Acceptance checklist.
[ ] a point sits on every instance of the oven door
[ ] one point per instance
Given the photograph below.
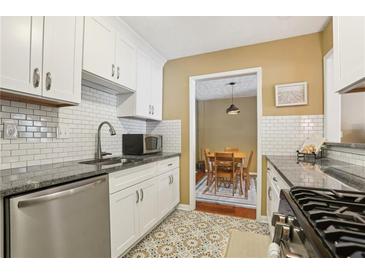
(152, 144)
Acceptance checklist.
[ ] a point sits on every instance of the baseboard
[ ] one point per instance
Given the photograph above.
(262, 219)
(185, 207)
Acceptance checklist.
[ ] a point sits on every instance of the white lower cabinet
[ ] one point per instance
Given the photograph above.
(124, 220)
(136, 209)
(275, 183)
(168, 191)
(1, 228)
(148, 206)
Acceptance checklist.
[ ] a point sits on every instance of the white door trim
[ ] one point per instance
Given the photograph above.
(332, 100)
(192, 131)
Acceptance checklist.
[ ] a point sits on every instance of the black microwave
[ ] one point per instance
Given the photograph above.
(141, 144)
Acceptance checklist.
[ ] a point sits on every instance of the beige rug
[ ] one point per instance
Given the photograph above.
(247, 245)
(193, 234)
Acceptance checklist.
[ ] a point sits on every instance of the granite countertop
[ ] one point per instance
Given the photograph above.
(20, 180)
(324, 173)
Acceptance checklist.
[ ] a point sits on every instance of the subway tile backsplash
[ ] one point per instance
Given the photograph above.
(37, 130)
(283, 135)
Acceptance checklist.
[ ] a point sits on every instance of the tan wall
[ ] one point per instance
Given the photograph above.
(283, 61)
(327, 37)
(217, 130)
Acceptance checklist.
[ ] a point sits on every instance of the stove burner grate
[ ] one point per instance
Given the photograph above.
(337, 216)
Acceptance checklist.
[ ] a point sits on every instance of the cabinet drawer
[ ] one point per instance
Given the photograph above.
(126, 178)
(168, 164)
(279, 182)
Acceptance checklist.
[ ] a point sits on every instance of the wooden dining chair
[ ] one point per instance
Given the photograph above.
(244, 173)
(231, 149)
(208, 167)
(224, 168)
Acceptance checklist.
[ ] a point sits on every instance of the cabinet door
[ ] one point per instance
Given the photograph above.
(168, 191)
(1, 228)
(349, 50)
(143, 92)
(175, 188)
(164, 193)
(62, 58)
(148, 205)
(99, 48)
(156, 90)
(124, 226)
(21, 53)
(126, 62)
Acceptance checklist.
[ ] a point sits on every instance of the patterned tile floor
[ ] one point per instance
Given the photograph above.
(193, 234)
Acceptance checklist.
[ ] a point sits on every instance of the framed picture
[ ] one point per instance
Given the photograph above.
(294, 94)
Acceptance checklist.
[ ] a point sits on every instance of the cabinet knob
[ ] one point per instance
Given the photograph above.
(36, 77)
(48, 81)
(113, 70)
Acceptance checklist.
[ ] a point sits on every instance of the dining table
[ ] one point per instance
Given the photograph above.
(239, 156)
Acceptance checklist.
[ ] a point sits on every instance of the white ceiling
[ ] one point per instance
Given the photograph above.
(176, 37)
(219, 89)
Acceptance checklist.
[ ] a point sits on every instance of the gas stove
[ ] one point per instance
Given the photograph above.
(314, 222)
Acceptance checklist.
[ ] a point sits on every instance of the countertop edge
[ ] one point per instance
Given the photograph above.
(38, 185)
(279, 171)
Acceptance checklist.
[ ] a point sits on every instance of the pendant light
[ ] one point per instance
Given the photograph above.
(232, 109)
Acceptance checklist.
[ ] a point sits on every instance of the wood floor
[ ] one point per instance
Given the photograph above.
(235, 211)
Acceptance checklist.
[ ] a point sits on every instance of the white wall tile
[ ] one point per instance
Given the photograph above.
(171, 132)
(37, 127)
(283, 135)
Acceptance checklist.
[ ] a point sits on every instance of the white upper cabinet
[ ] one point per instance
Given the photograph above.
(126, 63)
(99, 48)
(349, 52)
(42, 57)
(147, 101)
(156, 90)
(108, 56)
(21, 54)
(62, 58)
(143, 94)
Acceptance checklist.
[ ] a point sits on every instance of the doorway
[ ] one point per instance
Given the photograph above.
(194, 142)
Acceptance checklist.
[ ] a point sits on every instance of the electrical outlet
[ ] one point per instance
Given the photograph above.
(10, 131)
(63, 131)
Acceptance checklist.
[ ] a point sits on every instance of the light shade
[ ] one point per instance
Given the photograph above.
(233, 110)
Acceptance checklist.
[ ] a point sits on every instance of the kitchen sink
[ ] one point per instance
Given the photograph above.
(109, 161)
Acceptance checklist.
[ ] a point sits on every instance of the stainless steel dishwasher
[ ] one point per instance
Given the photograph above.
(66, 221)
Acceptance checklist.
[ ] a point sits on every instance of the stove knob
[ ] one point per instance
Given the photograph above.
(285, 234)
(278, 218)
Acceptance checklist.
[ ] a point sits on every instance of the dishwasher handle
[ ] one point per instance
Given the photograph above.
(57, 195)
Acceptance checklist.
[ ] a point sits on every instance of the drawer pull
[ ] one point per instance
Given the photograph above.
(274, 178)
(142, 195)
(170, 164)
(137, 196)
